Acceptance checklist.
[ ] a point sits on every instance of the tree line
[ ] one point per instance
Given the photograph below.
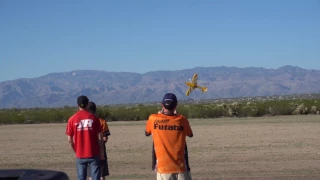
(142, 112)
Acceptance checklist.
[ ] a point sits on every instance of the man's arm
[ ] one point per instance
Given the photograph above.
(98, 129)
(105, 136)
(104, 129)
(101, 147)
(105, 139)
(70, 140)
(188, 129)
(148, 127)
(70, 133)
(160, 112)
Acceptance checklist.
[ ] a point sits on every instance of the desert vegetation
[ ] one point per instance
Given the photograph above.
(249, 108)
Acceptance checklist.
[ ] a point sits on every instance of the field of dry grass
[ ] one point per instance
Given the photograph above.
(286, 147)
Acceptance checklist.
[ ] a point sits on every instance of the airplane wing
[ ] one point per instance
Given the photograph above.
(194, 79)
(189, 91)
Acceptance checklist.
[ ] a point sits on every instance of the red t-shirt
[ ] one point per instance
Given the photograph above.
(84, 127)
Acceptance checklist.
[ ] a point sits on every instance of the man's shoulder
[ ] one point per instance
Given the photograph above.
(82, 113)
(73, 116)
(94, 117)
(160, 115)
(180, 116)
(102, 120)
(152, 116)
(155, 114)
(85, 115)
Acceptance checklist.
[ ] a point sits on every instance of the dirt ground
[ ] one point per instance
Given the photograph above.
(285, 147)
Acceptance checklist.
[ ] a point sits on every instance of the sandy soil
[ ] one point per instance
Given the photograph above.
(285, 147)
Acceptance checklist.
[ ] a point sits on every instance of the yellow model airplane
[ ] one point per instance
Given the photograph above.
(193, 84)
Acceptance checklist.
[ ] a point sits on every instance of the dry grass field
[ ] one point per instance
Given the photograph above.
(285, 147)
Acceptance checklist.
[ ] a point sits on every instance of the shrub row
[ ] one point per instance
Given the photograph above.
(142, 112)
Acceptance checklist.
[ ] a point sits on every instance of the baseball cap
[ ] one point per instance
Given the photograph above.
(169, 100)
(92, 107)
(82, 101)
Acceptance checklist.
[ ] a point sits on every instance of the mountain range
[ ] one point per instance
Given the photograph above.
(61, 89)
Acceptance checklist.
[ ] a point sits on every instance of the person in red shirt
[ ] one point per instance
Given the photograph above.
(85, 136)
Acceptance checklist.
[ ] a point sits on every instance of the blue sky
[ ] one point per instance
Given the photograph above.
(38, 37)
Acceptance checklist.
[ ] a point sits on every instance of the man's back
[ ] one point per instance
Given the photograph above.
(84, 126)
(169, 136)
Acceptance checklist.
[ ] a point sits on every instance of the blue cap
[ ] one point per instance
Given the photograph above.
(169, 99)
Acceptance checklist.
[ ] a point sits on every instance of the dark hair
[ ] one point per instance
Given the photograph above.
(82, 101)
(92, 107)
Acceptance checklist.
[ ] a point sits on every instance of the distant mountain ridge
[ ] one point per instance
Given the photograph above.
(102, 87)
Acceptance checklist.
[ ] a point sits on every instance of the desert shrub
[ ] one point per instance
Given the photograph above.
(195, 111)
(103, 113)
(183, 109)
(313, 110)
(300, 109)
(219, 111)
(142, 111)
(11, 118)
(233, 109)
(249, 111)
(274, 108)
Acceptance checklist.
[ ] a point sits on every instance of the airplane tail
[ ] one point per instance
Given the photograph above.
(204, 88)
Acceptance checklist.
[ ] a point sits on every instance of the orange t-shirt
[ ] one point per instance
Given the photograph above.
(104, 125)
(169, 137)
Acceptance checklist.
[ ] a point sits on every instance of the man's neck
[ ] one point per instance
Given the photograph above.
(168, 112)
(81, 109)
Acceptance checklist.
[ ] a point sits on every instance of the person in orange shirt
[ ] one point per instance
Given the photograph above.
(169, 131)
(186, 156)
(92, 108)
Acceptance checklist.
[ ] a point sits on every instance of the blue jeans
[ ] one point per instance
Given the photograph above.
(82, 164)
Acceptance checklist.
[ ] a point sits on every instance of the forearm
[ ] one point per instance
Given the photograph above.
(70, 140)
(72, 146)
(100, 142)
(101, 145)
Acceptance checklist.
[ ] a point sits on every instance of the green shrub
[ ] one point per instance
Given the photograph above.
(142, 111)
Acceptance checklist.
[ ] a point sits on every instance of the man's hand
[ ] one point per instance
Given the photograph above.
(105, 139)
(101, 154)
(160, 112)
(70, 140)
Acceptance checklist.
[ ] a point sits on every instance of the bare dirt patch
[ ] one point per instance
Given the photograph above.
(285, 147)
